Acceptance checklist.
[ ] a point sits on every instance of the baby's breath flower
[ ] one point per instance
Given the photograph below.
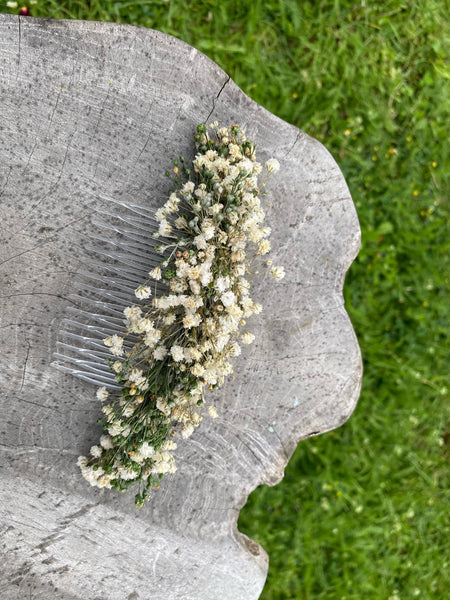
(165, 228)
(177, 353)
(187, 431)
(132, 313)
(272, 165)
(106, 442)
(160, 352)
(247, 337)
(277, 272)
(212, 411)
(169, 319)
(143, 292)
(115, 343)
(198, 370)
(190, 321)
(102, 394)
(96, 451)
(156, 273)
(228, 298)
(115, 429)
(263, 247)
(200, 241)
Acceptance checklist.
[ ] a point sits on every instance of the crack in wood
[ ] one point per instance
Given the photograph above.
(217, 97)
(54, 110)
(44, 242)
(24, 370)
(298, 136)
(40, 294)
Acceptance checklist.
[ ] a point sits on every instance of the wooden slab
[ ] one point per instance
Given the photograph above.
(96, 111)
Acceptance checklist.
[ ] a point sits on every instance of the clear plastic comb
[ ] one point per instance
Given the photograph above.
(121, 253)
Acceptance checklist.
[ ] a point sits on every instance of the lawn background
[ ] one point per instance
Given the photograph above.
(361, 513)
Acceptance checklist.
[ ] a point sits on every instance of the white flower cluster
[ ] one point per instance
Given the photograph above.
(187, 335)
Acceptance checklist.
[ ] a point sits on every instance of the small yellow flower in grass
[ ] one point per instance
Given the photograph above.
(347, 132)
(434, 164)
(415, 192)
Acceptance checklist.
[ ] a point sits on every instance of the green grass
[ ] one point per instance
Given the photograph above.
(361, 513)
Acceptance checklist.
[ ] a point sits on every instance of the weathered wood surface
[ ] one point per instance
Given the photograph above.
(97, 110)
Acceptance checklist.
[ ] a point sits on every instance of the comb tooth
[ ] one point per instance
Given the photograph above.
(90, 347)
(88, 365)
(133, 213)
(122, 258)
(132, 236)
(115, 284)
(92, 333)
(139, 210)
(83, 373)
(97, 331)
(136, 247)
(117, 298)
(142, 236)
(125, 292)
(91, 365)
(132, 274)
(107, 308)
(141, 224)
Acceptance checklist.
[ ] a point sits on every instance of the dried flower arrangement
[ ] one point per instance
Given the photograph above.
(184, 338)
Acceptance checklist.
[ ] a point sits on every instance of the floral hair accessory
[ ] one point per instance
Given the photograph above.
(184, 337)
